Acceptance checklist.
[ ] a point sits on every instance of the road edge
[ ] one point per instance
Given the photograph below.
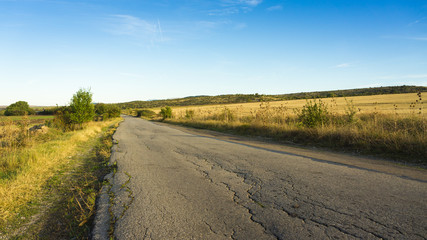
(409, 171)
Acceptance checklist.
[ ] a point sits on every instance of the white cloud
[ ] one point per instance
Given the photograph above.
(342, 65)
(275, 8)
(229, 7)
(243, 2)
(417, 21)
(224, 12)
(133, 26)
(252, 2)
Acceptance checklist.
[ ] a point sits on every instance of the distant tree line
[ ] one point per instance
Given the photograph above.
(80, 111)
(19, 108)
(245, 98)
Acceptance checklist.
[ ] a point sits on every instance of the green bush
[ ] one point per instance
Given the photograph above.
(166, 112)
(106, 111)
(19, 108)
(350, 111)
(145, 113)
(62, 119)
(313, 114)
(48, 111)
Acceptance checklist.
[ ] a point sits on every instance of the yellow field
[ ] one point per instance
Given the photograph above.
(394, 125)
(389, 103)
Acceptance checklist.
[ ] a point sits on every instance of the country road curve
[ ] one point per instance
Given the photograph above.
(175, 184)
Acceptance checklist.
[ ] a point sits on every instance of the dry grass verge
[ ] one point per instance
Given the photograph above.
(397, 145)
(57, 178)
(399, 134)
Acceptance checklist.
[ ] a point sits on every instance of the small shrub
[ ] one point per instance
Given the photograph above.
(166, 112)
(350, 111)
(106, 111)
(313, 114)
(226, 115)
(189, 114)
(62, 119)
(145, 113)
(47, 111)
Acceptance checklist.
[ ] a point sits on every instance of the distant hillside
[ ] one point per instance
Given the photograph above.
(244, 98)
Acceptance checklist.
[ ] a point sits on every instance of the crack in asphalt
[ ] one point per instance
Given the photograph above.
(255, 187)
(206, 174)
(282, 195)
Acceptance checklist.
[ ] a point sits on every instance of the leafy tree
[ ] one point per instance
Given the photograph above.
(81, 108)
(19, 108)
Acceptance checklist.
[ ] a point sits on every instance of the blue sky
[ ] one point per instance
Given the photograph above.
(128, 50)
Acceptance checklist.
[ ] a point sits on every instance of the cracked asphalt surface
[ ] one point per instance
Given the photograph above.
(171, 184)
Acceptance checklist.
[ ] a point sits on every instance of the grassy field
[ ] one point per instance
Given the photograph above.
(392, 125)
(48, 182)
(386, 104)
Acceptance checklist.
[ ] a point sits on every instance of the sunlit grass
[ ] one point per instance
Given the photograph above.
(389, 103)
(26, 168)
(394, 125)
(31, 117)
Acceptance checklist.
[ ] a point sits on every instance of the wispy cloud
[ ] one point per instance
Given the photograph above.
(133, 26)
(229, 7)
(342, 65)
(224, 11)
(416, 21)
(275, 8)
(242, 2)
(212, 25)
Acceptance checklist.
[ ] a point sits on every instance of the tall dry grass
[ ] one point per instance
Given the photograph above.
(26, 168)
(400, 133)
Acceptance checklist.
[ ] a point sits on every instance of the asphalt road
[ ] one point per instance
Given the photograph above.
(174, 184)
